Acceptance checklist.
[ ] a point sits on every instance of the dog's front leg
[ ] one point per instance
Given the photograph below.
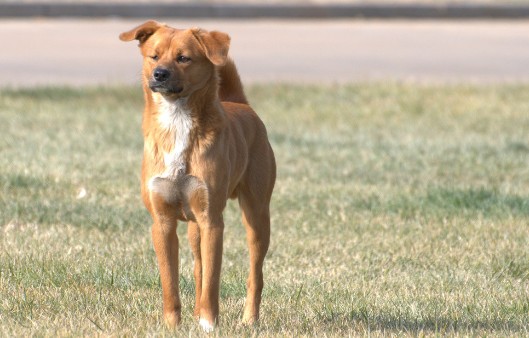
(193, 234)
(211, 237)
(165, 242)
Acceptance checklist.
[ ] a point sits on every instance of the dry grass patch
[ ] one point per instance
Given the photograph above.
(399, 210)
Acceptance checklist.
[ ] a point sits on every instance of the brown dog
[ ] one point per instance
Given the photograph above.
(203, 144)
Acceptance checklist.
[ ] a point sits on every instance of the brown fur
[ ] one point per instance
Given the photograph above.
(227, 156)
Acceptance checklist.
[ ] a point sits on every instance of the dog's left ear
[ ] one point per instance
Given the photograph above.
(142, 32)
(215, 45)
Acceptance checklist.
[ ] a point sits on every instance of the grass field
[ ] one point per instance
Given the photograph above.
(398, 210)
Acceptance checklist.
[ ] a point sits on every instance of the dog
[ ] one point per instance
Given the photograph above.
(203, 144)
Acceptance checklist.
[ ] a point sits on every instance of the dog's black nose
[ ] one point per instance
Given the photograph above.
(161, 74)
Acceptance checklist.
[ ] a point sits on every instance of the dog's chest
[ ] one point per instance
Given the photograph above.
(175, 118)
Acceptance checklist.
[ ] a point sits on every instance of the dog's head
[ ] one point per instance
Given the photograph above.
(177, 62)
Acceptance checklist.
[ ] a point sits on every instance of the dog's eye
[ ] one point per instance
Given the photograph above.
(154, 57)
(182, 59)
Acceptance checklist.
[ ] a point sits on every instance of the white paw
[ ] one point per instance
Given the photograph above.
(206, 325)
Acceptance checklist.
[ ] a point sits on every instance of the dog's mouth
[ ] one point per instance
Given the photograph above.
(165, 89)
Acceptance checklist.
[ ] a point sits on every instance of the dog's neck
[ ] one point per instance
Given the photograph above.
(172, 115)
(174, 118)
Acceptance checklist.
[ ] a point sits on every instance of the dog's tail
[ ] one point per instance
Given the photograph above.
(231, 89)
(186, 191)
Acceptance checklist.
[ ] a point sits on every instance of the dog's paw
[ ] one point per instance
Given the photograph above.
(172, 320)
(206, 326)
(250, 319)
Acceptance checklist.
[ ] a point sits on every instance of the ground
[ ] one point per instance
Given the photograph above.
(399, 209)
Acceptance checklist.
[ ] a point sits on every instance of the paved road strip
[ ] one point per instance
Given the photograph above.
(274, 10)
(79, 52)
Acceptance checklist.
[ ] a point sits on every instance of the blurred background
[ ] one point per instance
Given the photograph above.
(73, 43)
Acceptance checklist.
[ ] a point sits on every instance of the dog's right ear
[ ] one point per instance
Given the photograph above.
(142, 32)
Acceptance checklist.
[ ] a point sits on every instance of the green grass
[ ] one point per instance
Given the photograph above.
(398, 210)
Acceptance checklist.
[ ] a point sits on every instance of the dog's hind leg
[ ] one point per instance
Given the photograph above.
(256, 219)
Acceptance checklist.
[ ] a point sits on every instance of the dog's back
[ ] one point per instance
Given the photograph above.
(230, 89)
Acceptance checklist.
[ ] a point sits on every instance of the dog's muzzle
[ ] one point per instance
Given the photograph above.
(160, 82)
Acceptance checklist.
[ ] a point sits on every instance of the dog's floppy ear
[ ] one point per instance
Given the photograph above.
(142, 32)
(215, 45)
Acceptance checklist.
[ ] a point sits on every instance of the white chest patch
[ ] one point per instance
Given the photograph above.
(175, 117)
